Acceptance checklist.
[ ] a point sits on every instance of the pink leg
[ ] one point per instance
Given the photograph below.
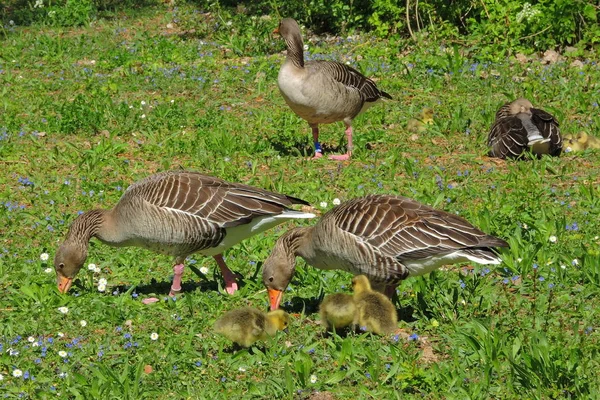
(318, 150)
(230, 280)
(348, 154)
(176, 286)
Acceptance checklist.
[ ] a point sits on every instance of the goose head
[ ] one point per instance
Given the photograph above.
(519, 106)
(360, 284)
(68, 261)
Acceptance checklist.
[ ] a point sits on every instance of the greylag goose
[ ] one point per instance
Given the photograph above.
(337, 311)
(374, 311)
(519, 127)
(387, 238)
(177, 213)
(247, 325)
(322, 92)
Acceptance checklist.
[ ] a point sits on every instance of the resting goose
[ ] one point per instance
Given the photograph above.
(519, 127)
(177, 213)
(581, 142)
(322, 92)
(387, 238)
(247, 325)
(374, 311)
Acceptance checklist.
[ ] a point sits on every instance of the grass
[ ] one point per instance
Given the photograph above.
(85, 112)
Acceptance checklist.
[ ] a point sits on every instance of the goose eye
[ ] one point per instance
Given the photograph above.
(61, 266)
(271, 279)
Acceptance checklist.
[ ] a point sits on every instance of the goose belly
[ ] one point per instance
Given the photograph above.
(236, 234)
(426, 265)
(314, 101)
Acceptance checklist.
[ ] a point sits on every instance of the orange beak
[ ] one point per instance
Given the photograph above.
(275, 298)
(276, 30)
(64, 283)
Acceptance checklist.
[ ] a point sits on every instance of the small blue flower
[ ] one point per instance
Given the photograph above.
(127, 335)
(368, 375)
(198, 363)
(414, 336)
(541, 279)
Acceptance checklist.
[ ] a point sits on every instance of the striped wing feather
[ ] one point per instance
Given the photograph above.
(402, 228)
(217, 201)
(351, 78)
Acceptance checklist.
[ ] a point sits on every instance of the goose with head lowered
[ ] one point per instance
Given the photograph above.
(177, 213)
(322, 92)
(386, 238)
(520, 127)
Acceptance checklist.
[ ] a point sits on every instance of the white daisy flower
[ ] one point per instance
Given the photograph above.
(2, 376)
(92, 267)
(62, 353)
(552, 239)
(336, 202)
(101, 288)
(143, 102)
(323, 204)
(17, 373)
(83, 322)
(97, 270)
(48, 270)
(242, 369)
(575, 262)
(562, 266)
(63, 310)
(204, 270)
(44, 257)
(102, 281)
(154, 336)
(13, 352)
(143, 116)
(313, 379)
(31, 339)
(60, 334)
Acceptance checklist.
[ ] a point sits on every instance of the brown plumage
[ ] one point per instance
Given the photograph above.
(176, 213)
(519, 127)
(337, 311)
(374, 311)
(387, 238)
(322, 92)
(247, 325)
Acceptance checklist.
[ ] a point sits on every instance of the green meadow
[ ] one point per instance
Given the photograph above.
(86, 111)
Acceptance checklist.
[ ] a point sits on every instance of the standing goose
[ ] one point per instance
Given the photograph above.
(519, 127)
(322, 92)
(387, 238)
(177, 213)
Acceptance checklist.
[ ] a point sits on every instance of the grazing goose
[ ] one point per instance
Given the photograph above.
(337, 311)
(374, 311)
(322, 92)
(247, 325)
(177, 213)
(519, 127)
(387, 238)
